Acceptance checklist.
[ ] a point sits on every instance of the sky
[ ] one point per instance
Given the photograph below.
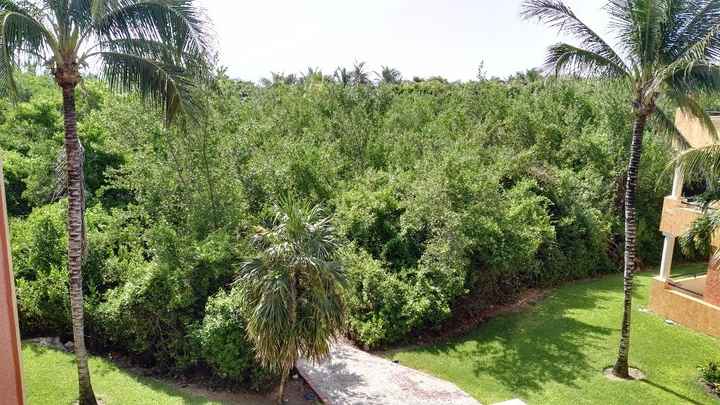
(424, 38)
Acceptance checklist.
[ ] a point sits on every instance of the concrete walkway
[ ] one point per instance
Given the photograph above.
(353, 377)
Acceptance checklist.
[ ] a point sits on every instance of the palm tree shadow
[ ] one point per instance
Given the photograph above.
(671, 392)
(525, 351)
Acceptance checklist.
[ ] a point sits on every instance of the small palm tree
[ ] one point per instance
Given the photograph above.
(389, 75)
(359, 74)
(293, 289)
(343, 76)
(151, 46)
(666, 50)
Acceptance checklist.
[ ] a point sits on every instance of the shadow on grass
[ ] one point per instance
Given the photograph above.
(525, 351)
(671, 392)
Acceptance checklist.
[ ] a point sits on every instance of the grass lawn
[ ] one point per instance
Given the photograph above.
(555, 352)
(50, 378)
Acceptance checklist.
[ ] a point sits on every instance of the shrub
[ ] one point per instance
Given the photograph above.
(223, 343)
(154, 312)
(710, 374)
(39, 249)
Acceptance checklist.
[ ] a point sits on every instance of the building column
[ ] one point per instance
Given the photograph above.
(669, 243)
(11, 387)
(678, 183)
(667, 257)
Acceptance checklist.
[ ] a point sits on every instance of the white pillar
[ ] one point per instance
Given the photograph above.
(677, 184)
(667, 257)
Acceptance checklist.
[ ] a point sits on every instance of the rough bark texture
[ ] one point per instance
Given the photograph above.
(75, 242)
(621, 368)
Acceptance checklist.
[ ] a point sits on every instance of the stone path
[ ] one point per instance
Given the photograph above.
(353, 377)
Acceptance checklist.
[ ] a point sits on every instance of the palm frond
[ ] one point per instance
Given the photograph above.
(566, 58)
(697, 241)
(175, 22)
(699, 78)
(698, 18)
(162, 85)
(664, 125)
(687, 103)
(21, 35)
(696, 55)
(699, 161)
(556, 14)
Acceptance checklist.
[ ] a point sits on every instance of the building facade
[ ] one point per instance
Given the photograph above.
(692, 300)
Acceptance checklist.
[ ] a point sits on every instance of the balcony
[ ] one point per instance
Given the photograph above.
(678, 215)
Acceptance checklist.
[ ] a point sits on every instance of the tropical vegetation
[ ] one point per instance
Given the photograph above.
(445, 197)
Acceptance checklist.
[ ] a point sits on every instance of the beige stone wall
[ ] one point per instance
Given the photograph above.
(684, 309)
(695, 133)
(677, 217)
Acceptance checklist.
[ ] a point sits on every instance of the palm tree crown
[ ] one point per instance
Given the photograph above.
(151, 46)
(667, 48)
(293, 288)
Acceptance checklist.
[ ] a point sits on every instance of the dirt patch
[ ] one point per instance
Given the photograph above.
(712, 389)
(297, 392)
(635, 375)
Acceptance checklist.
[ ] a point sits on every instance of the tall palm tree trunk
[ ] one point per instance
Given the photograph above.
(621, 368)
(75, 242)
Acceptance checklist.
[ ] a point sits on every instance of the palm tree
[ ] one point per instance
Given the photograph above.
(343, 76)
(359, 74)
(293, 289)
(666, 51)
(389, 75)
(151, 46)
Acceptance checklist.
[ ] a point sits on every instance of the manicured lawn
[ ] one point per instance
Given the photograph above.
(555, 352)
(50, 379)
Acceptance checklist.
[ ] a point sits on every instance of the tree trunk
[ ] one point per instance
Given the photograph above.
(284, 377)
(621, 368)
(75, 242)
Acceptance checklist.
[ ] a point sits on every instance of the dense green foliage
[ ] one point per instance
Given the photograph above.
(441, 190)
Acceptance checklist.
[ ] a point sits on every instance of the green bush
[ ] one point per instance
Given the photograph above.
(153, 313)
(223, 343)
(710, 374)
(39, 250)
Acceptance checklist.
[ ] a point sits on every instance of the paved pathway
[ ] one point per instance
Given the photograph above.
(353, 377)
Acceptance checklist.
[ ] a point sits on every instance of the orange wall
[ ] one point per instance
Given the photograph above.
(11, 391)
(683, 309)
(712, 287)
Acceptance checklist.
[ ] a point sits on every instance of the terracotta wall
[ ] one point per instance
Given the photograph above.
(677, 217)
(683, 309)
(712, 286)
(11, 392)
